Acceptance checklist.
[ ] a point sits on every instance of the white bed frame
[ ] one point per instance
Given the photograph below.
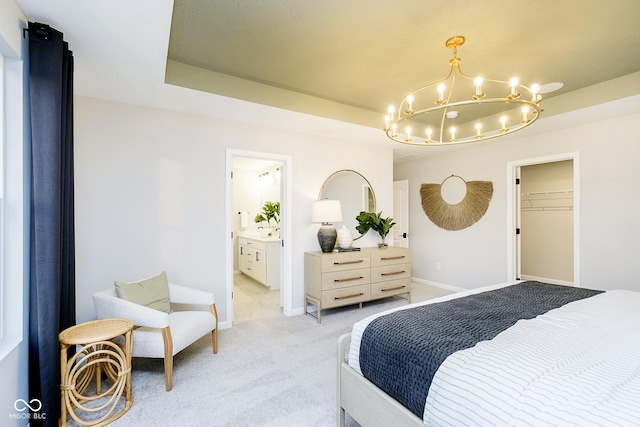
(364, 401)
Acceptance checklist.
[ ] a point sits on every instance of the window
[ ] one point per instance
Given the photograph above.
(13, 214)
(2, 138)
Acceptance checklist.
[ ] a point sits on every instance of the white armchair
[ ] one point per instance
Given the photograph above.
(162, 335)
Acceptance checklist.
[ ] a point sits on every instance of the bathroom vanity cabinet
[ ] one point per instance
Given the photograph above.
(259, 258)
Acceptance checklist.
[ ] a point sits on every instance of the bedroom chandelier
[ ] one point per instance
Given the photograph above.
(480, 109)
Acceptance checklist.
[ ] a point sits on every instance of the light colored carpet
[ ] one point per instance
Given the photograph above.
(277, 371)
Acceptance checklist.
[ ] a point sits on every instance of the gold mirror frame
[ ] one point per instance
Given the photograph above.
(355, 194)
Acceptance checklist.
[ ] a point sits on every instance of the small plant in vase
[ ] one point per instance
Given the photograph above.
(270, 211)
(375, 222)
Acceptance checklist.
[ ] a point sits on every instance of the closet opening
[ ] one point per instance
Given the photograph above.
(543, 227)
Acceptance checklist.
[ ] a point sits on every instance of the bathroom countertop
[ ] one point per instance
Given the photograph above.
(259, 238)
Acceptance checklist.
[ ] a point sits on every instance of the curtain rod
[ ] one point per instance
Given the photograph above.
(42, 30)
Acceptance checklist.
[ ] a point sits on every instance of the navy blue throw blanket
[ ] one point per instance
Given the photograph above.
(401, 351)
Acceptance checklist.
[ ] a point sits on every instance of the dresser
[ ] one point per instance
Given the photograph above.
(337, 279)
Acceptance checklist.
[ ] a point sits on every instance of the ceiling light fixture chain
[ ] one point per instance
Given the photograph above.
(487, 109)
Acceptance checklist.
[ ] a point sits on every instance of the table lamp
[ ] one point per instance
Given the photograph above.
(327, 211)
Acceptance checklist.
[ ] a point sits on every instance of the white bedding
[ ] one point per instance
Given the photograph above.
(575, 365)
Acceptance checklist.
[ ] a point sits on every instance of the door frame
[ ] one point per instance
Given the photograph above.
(286, 287)
(513, 212)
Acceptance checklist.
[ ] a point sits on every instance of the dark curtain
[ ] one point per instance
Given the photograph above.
(52, 264)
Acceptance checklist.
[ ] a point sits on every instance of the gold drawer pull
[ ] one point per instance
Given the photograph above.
(392, 273)
(391, 257)
(393, 289)
(348, 279)
(348, 262)
(349, 296)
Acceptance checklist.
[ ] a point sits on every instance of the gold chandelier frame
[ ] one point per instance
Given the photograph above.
(504, 115)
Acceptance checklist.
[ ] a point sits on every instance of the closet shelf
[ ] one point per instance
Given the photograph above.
(547, 200)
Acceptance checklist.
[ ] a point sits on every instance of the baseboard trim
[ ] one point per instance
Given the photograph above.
(546, 280)
(223, 325)
(438, 285)
(297, 311)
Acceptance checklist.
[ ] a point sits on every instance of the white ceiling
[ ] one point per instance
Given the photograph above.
(341, 60)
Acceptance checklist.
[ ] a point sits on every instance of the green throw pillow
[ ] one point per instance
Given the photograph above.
(152, 292)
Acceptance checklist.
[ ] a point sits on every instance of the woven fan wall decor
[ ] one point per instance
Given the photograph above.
(461, 215)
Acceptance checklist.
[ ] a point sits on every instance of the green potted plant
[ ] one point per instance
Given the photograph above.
(270, 211)
(375, 222)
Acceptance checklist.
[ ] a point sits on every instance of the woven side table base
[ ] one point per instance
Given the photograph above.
(97, 357)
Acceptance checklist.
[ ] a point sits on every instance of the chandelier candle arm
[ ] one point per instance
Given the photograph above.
(484, 109)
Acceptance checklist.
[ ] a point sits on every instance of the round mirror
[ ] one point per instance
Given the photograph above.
(355, 195)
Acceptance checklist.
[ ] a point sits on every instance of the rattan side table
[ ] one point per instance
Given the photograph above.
(96, 354)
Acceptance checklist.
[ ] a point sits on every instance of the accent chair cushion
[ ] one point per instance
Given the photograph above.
(152, 292)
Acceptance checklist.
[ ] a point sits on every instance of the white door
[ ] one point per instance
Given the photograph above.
(401, 213)
(518, 236)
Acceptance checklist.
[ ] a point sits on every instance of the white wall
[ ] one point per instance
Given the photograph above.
(150, 194)
(609, 236)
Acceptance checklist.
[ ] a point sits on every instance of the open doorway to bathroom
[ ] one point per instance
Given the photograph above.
(256, 264)
(257, 282)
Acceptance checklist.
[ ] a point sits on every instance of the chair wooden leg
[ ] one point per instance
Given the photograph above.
(214, 333)
(168, 357)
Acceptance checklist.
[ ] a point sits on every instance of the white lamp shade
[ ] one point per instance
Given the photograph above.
(326, 211)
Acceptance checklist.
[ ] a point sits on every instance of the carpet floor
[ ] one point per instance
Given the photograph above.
(272, 372)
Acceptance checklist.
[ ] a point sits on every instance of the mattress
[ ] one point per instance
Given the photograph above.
(492, 382)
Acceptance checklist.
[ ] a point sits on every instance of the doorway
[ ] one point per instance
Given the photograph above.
(257, 280)
(543, 221)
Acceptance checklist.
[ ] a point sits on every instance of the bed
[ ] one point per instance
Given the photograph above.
(520, 353)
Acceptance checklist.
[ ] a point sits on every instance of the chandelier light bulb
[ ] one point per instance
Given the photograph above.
(503, 120)
(477, 82)
(453, 134)
(440, 89)
(408, 134)
(391, 110)
(478, 130)
(429, 135)
(514, 82)
(535, 88)
(394, 129)
(525, 114)
(410, 99)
